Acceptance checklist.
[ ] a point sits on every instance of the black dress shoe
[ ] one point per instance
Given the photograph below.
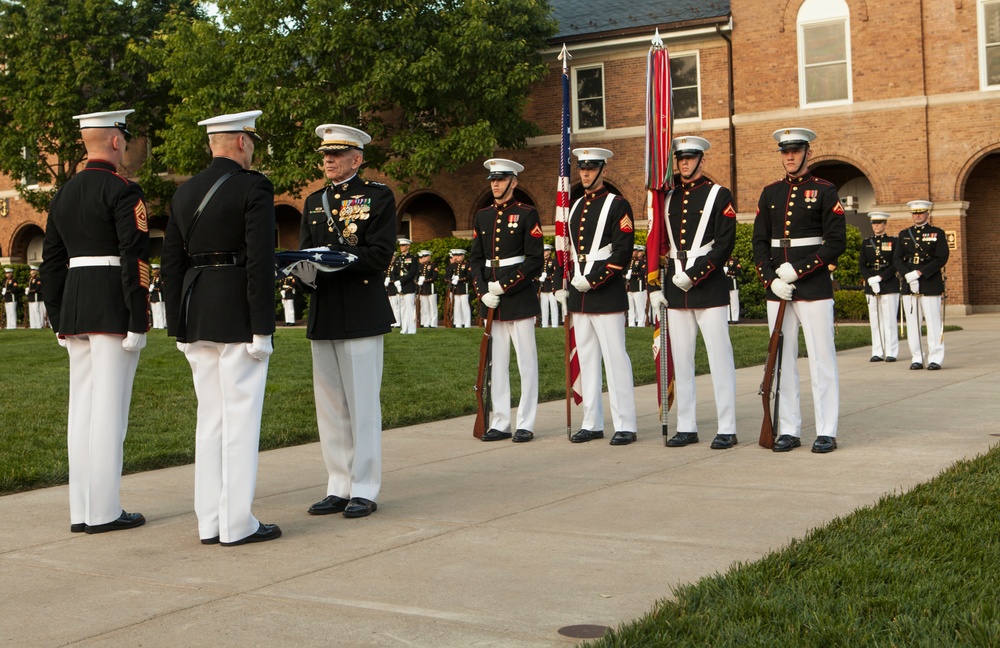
(876, 359)
(623, 438)
(212, 540)
(587, 435)
(124, 521)
(682, 439)
(79, 527)
(916, 365)
(723, 441)
(495, 435)
(825, 444)
(263, 533)
(786, 442)
(327, 505)
(933, 366)
(890, 358)
(360, 507)
(523, 436)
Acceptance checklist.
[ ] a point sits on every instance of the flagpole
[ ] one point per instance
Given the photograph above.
(562, 234)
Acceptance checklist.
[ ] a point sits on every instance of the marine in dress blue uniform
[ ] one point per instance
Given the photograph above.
(36, 303)
(9, 291)
(219, 278)
(635, 284)
(349, 314)
(505, 261)
(601, 235)
(96, 273)
(458, 277)
(549, 282)
(701, 229)
(405, 270)
(427, 274)
(920, 257)
(156, 303)
(881, 288)
(733, 270)
(798, 234)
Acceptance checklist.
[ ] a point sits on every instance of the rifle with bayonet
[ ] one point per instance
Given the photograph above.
(484, 380)
(772, 378)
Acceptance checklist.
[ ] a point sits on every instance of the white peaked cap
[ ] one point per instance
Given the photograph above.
(337, 137)
(243, 122)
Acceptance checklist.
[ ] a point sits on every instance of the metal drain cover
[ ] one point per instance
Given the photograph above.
(586, 631)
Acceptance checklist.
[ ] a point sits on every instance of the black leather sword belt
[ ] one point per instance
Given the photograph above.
(213, 259)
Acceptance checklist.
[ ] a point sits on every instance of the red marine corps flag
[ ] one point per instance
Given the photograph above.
(659, 137)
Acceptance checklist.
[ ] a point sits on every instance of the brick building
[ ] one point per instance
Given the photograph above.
(905, 98)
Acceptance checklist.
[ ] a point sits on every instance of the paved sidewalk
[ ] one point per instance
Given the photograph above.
(490, 544)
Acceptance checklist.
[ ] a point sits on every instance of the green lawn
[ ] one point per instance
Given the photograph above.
(427, 377)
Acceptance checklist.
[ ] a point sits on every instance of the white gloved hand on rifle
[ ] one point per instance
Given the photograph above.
(580, 283)
(914, 287)
(787, 273)
(874, 283)
(782, 289)
(387, 282)
(490, 300)
(562, 296)
(495, 288)
(421, 280)
(657, 299)
(398, 285)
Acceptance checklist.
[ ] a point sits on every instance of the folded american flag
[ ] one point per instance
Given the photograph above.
(304, 264)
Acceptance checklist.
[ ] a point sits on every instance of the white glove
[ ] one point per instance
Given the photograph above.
(151, 289)
(4, 291)
(398, 285)
(787, 273)
(915, 287)
(454, 280)
(494, 287)
(580, 283)
(628, 275)
(657, 299)
(182, 347)
(874, 281)
(61, 340)
(134, 341)
(387, 282)
(782, 289)
(306, 272)
(421, 280)
(876, 288)
(261, 347)
(911, 276)
(543, 276)
(682, 281)
(490, 300)
(562, 296)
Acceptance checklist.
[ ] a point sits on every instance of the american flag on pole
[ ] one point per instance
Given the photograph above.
(562, 228)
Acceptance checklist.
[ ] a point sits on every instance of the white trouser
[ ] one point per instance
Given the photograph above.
(684, 325)
(461, 313)
(101, 373)
(408, 313)
(429, 311)
(816, 318)
(394, 304)
(347, 379)
(886, 343)
(35, 315)
(159, 311)
(930, 312)
(550, 310)
(602, 336)
(229, 385)
(11, 308)
(289, 306)
(637, 308)
(734, 305)
(522, 333)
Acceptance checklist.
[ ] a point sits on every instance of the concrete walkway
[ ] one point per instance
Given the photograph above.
(489, 544)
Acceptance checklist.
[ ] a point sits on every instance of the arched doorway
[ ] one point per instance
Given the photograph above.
(287, 223)
(982, 225)
(854, 188)
(425, 216)
(27, 245)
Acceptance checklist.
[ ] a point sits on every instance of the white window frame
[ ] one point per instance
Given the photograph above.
(697, 57)
(815, 13)
(984, 81)
(576, 101)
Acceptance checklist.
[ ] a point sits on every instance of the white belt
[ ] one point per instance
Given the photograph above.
(684, 255)
(503, 263)
(796, 242)
(88, 261)
(601, 254)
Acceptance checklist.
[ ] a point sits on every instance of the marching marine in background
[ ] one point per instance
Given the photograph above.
(601, 236)
(920, 256)
(701, 228)
(549, 281)
(156, 303)
(404, 277)
(218, 266)
(288, 290)
(799, 232)
(505, 260)
(733, 270)
(9, 292)
(390, 289)
(458, 285)
(426, 291)
(36, 305)
(881, 288)
(96, 276)
(349, 315)
(635, 285)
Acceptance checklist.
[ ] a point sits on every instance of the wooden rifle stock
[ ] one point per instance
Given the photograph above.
(449, 307)
(483, 380)
(772, 370)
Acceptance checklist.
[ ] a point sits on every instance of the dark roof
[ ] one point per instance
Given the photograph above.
(588, 18)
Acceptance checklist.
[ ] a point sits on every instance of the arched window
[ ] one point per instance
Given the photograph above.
(989, 44)
(824, 53)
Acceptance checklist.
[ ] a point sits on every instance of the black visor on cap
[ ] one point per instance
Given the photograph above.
(688, 153)
(793, 145)
(590, 164)
(499, 175)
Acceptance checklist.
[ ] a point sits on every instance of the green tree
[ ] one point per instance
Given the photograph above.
(66, 57)
(436, 84)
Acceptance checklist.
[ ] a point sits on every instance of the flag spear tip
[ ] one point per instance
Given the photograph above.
(564, 55)
(657, 41)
